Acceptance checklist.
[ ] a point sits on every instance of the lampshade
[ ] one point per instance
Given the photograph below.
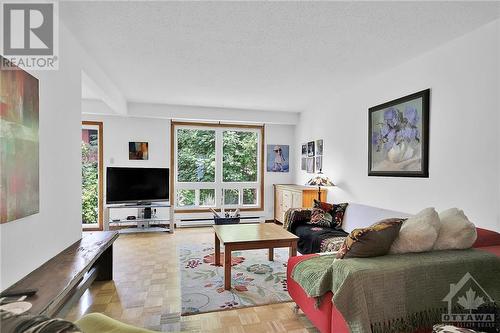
(320, 179)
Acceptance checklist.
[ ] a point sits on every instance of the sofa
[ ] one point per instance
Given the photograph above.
(314, 239)
(325, 316)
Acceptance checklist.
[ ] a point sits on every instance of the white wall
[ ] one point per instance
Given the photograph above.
(118, 131)
(464, 131)
(28, 242)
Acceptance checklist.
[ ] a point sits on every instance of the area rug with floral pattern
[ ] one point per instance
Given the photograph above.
(255, 280)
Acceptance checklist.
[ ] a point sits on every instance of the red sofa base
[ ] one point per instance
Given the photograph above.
(327, 318)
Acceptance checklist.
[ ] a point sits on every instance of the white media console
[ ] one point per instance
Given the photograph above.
(141, 224)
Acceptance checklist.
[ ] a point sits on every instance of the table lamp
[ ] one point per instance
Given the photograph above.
(319, 180)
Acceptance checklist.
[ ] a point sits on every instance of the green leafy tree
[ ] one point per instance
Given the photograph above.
(196, 155)
(239, 156)
(89, 183)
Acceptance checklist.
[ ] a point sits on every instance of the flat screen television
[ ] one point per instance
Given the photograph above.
(136, 185)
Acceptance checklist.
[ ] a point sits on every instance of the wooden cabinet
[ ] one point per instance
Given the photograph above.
(293, 196)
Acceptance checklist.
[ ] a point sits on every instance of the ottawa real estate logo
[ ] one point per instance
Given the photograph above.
(470, 306)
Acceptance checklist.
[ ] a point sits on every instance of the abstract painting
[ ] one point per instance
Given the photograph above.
(138, 151)
(278, 157)
(19, 159)
(398, 137)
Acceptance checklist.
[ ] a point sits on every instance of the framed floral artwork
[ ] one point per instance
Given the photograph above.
(398, 137)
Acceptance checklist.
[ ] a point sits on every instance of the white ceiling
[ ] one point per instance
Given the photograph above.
(259, 55)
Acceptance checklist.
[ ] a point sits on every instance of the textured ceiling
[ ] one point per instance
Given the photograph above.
(259, 55)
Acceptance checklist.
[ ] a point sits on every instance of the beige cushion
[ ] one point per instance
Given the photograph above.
(418, 233)
(456, 232)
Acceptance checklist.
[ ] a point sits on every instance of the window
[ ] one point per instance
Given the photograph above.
(91, 148)
(217, 166)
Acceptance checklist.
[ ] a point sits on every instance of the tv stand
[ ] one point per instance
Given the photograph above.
(142, 224)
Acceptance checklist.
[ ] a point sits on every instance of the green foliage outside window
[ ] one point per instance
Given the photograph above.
(90, 183)
(207, 197)
(249, 196)
(195, 155)
(185, 197)
(239, 156)
(231, 197)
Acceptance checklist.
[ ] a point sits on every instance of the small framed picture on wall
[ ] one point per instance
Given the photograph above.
(304, 149)
(319, 147)
(303, 163)
(310, 149)
(138, 151)
(310, 165)
(319, 163)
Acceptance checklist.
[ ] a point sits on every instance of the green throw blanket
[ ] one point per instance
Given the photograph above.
(397, 293)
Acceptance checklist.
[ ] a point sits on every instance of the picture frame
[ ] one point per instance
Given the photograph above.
(19, 144)
(318, 162)
(138, 151)
(398, 137)
(303, 163)
(304, 149)
(310, 165)
(310, 149)
(278, 158)
(319, 147)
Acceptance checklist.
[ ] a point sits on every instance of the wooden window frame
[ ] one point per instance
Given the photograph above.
(174, 124)
(99, 124)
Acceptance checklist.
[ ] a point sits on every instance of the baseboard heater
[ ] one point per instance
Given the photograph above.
(208, 221)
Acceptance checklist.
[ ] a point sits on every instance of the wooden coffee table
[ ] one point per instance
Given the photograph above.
(237, 237)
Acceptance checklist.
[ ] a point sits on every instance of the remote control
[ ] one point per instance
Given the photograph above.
(19, 292)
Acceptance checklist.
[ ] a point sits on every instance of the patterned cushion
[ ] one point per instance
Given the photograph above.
(296, 216)
(321, 218)
(373, 241)
(332, 244)
(336, 211)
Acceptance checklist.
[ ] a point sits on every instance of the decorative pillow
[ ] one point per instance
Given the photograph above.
(418, 233)
(332, 244)
(336, 211)
(296, 216)
(456, 232)
(321, 218)
(376, 240)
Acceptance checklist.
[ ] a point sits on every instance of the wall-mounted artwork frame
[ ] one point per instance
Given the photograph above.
(19, 144)
(303, 163)
(304, 149)
(310, 149)
(319, 147)
(278, 158)
(138, 151)
(398, 137)
(310, 165)
(318, 162)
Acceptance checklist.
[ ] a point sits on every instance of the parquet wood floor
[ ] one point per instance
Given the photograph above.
(146, 292)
